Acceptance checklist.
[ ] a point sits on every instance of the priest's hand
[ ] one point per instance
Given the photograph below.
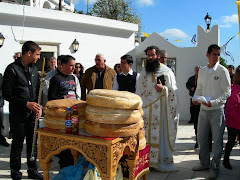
(159, 86)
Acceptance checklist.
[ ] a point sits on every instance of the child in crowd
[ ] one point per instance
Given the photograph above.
(232, 118)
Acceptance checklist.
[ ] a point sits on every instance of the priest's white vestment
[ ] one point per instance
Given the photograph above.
(160, 116)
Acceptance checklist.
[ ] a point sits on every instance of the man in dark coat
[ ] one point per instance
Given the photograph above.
(20, 89)
(191, 86)
(3, 141)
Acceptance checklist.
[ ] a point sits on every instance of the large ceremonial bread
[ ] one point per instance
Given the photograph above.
(56, 110)
(111, 130)
(113, 116)
(113, 113)
(114, 99)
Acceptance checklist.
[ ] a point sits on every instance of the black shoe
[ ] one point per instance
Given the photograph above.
(3, 141)
(34, 174)
(16, 175)
(235, 144)
(196, 145)
(191, 121)
(227, 165)
(9, 135)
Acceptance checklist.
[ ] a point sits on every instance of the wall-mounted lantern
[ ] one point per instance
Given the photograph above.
(75, 45)
(1, 40)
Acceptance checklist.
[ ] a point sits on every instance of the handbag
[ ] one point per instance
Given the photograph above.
(75, 172)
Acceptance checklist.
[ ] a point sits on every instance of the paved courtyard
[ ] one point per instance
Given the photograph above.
(185, 157)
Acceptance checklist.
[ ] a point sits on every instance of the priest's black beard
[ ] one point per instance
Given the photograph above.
(152, 67)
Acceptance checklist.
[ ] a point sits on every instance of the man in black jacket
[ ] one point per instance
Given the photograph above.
(20, 89)
(191, 86)
(2, 138)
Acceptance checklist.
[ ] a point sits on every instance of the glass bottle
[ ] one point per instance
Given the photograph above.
(75, 121)
(68, 121)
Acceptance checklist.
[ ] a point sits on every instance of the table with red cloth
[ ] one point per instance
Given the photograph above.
(104, 153)
(142, 167)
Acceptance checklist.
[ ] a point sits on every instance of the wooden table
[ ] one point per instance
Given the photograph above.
(103, 153)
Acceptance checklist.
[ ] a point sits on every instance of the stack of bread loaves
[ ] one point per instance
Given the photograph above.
(56, 110)
(113, 113)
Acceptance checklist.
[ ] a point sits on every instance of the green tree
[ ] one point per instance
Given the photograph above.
(223, 62)
(121, 10)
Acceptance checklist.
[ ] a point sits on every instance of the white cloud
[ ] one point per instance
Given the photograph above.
(145, 2)
(225, 26)
(230, 19)
(174, 33)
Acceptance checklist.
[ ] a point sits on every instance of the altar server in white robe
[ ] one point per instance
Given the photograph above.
(157, 88)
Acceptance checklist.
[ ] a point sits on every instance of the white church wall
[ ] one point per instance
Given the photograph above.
(59, 29)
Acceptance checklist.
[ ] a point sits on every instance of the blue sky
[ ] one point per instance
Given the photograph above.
(178, 20)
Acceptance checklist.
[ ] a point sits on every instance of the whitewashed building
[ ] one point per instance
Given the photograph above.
(67, 5)
(55, 32)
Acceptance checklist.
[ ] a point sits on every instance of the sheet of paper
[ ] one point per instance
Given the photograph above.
(201, 99)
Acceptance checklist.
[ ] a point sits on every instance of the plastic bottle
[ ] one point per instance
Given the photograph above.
(68, 121)
(75, 121)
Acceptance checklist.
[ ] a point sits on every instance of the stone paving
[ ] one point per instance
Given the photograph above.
(185, 157)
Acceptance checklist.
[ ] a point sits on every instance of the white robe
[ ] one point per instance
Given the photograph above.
(160, 116)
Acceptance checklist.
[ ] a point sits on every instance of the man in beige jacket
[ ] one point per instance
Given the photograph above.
(100, 76)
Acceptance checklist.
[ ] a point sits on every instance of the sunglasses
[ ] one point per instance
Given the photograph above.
(77, 67)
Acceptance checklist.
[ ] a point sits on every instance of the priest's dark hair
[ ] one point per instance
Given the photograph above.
(152, 47)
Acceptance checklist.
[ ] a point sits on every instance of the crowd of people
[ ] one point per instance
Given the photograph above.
(155, 84)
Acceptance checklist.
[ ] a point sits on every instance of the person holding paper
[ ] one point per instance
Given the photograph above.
(214, 82)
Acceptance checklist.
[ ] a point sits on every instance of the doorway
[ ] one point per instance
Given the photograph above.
(47, 56)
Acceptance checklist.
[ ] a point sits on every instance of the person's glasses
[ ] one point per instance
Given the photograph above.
(77, 67)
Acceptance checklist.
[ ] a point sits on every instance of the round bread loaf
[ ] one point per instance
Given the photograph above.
(142, 143)
(111, 130)
(141, 133)
(112, 115)
(141, 123)
(53, 124)
(56, 111)
(114, 99)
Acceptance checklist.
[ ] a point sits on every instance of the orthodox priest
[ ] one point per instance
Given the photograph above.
(157, 88)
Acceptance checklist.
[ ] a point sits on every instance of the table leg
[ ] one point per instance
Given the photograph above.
(144, 177)
(45, 167)
(107, 178)
(75, 155)
(131, 164)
